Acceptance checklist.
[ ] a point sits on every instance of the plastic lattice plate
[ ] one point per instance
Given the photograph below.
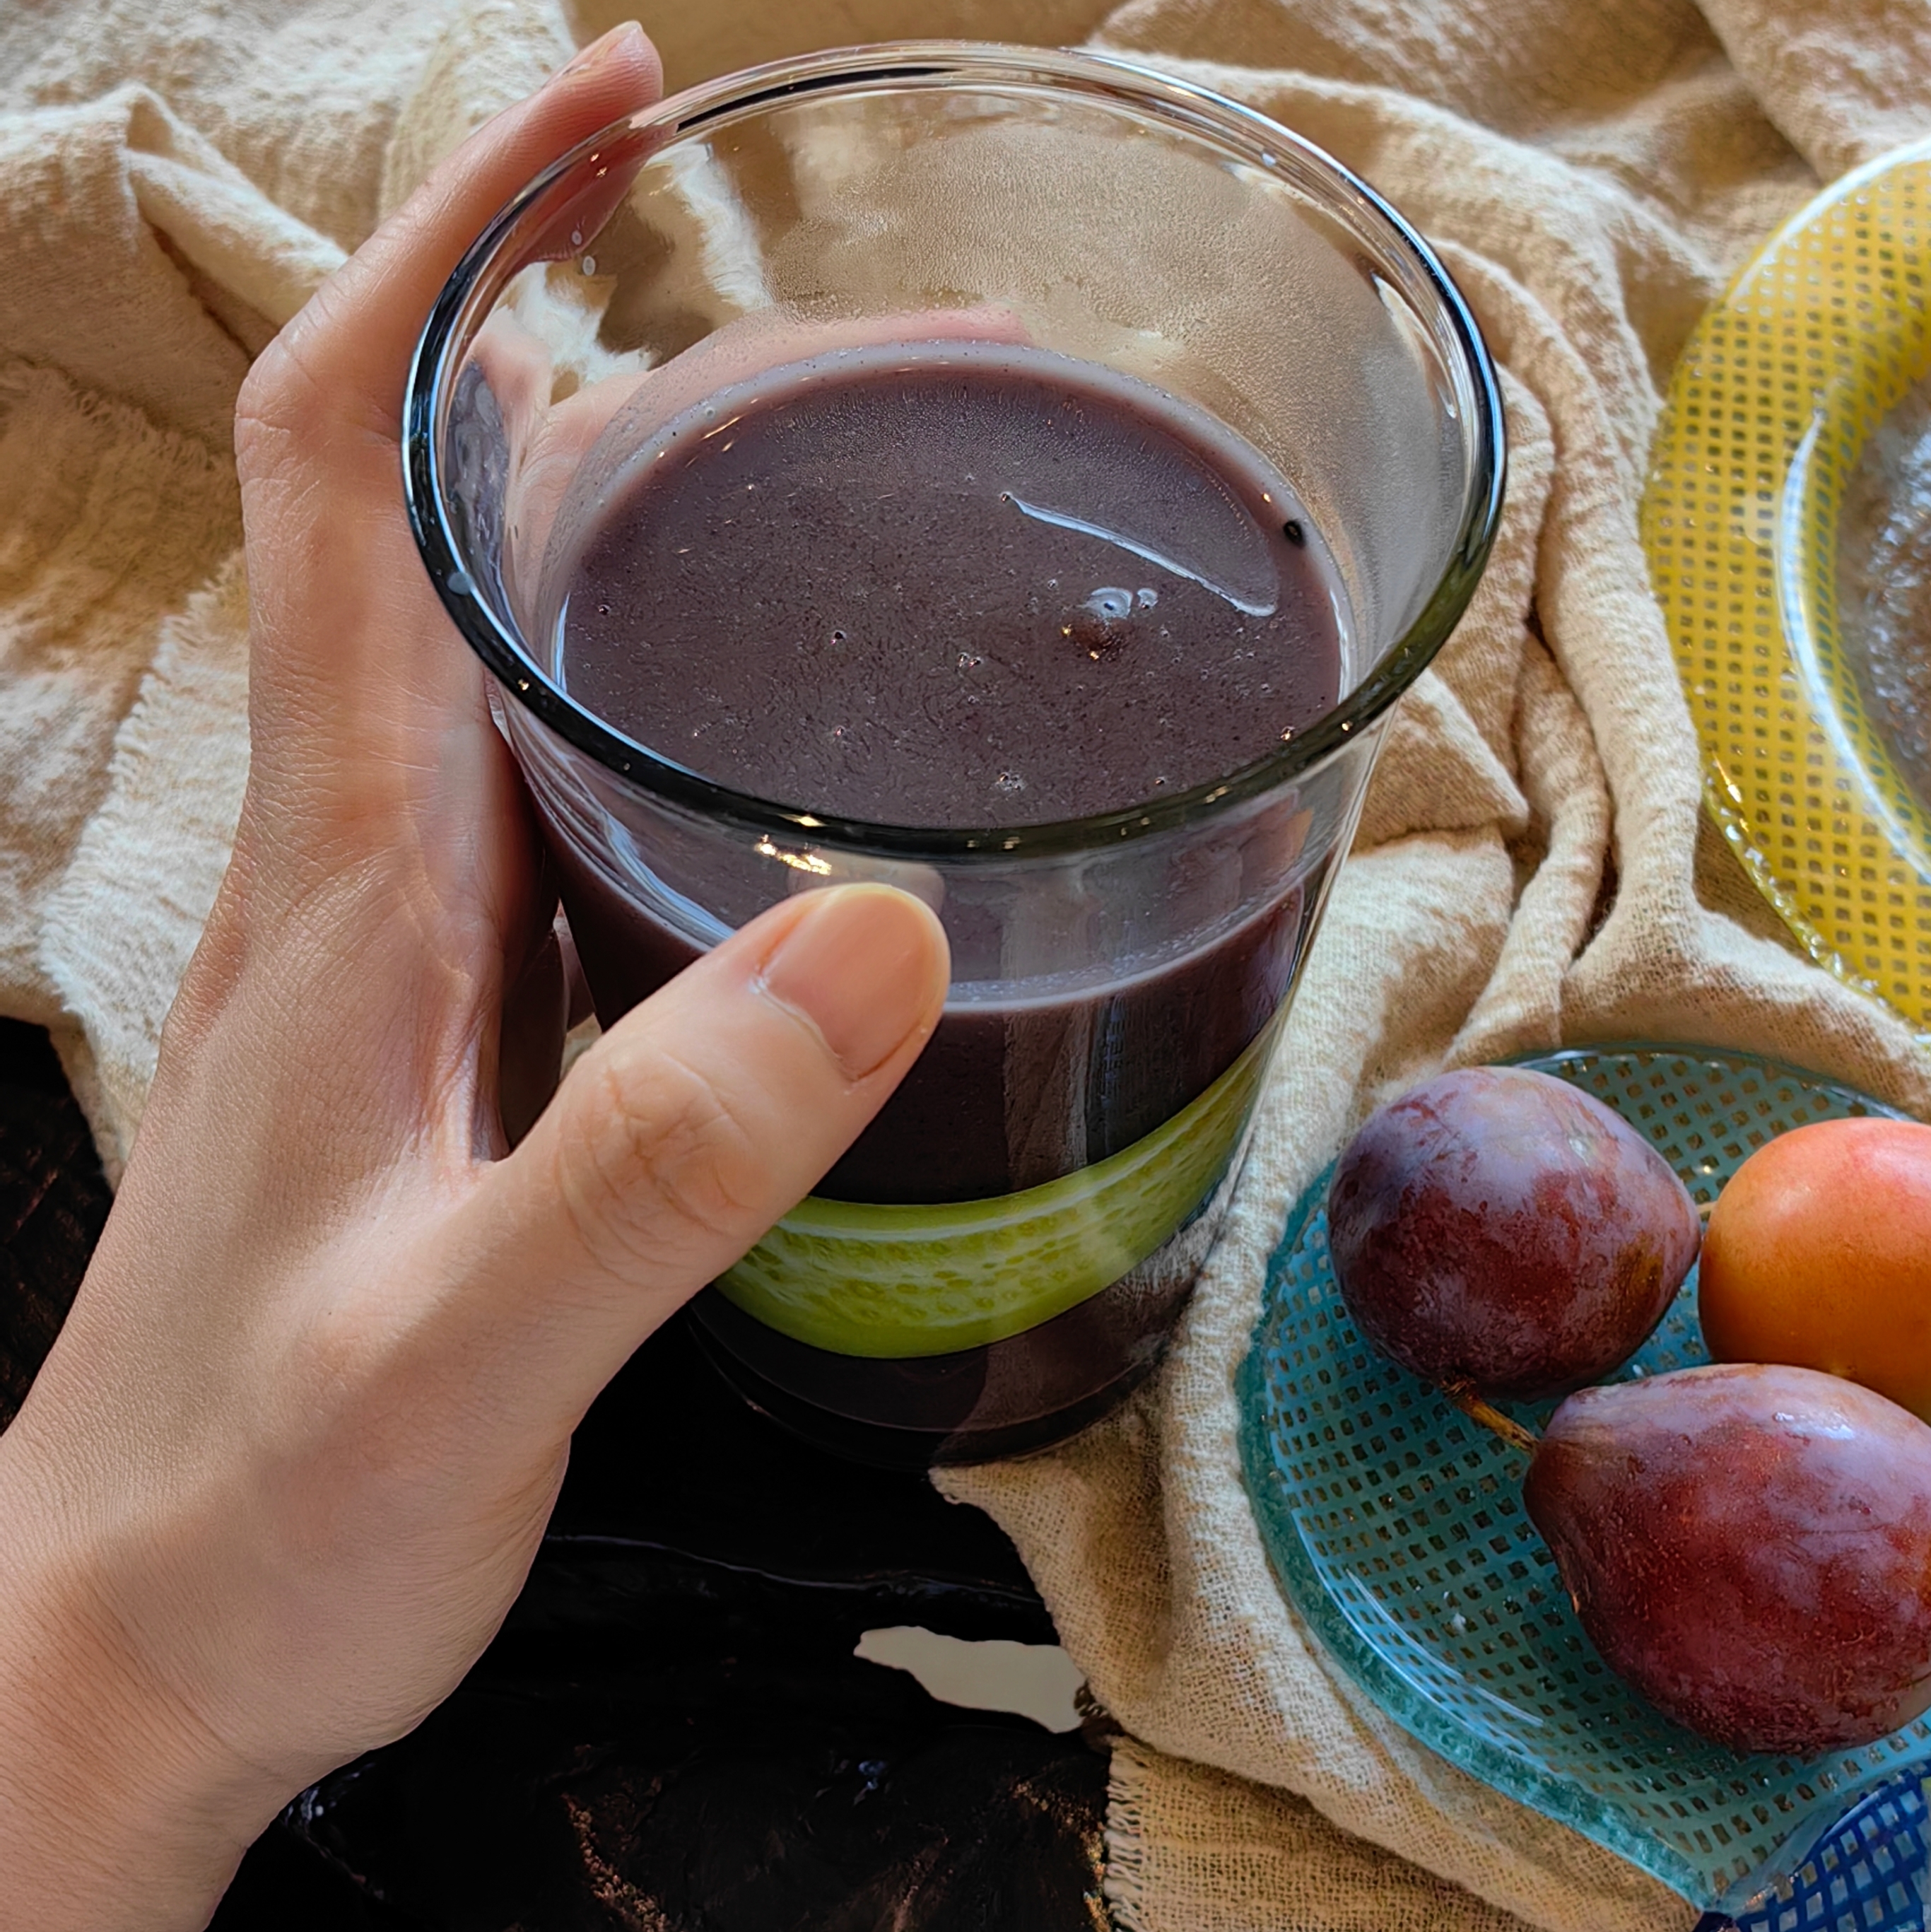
(1395, 1526)
(1781, 387)
(1868, 1875)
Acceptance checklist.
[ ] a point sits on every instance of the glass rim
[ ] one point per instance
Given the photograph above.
(1258, 140)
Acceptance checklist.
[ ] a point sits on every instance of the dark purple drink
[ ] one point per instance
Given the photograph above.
(973, 587)
(952, 585)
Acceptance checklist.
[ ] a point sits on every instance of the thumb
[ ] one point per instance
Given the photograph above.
(702, 1117)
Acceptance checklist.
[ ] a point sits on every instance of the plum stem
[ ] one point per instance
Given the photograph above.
(1493, 1419)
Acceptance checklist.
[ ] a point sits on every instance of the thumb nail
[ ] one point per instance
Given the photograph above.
(607, 47)
(866, 965)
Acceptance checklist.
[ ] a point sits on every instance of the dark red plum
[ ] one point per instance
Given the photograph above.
(1499, 1233)
(1750, 1548)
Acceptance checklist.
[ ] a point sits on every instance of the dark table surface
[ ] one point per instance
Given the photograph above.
(671, 1733)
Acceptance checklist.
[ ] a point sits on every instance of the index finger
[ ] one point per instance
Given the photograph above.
(344, 358)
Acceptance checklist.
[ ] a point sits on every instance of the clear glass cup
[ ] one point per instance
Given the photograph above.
(1003, 1255)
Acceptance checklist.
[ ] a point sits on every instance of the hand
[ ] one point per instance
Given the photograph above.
(287, 1466)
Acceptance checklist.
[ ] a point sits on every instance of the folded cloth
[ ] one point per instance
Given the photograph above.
(1534, 869)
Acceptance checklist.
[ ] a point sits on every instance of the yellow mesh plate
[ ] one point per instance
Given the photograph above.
(1768, 414)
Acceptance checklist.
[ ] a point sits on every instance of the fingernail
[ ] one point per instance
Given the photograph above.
(866, 965)
(587, 60)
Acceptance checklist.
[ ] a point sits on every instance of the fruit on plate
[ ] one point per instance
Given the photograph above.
(1818, 1253)
(1750, 1547)
(1499, 1233)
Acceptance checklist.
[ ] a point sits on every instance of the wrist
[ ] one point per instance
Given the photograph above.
(118, 1808)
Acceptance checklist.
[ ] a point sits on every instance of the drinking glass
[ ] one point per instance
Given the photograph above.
(1001, 1256)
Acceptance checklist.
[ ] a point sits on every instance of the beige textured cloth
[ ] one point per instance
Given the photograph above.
(176, 175)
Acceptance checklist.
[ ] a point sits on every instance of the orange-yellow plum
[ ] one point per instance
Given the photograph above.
(1819, 1254)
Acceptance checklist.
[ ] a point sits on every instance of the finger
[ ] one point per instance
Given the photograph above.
(341, 360)
(601, 425)
(697, 1121)
(366, 708)
(581, 447)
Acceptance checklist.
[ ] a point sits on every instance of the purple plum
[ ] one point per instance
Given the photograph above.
(1750, 1547)
(1499, 1233)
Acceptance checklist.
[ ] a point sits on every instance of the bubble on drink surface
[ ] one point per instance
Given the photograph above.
(1009, 782)
(1110, 604)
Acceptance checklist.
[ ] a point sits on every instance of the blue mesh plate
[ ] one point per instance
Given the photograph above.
(1867, 1875)
(1394, 1525)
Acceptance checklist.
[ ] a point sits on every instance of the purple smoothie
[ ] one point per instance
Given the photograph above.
(966, 586)
(959, 586)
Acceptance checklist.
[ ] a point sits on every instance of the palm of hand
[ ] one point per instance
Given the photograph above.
(291, 1458)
